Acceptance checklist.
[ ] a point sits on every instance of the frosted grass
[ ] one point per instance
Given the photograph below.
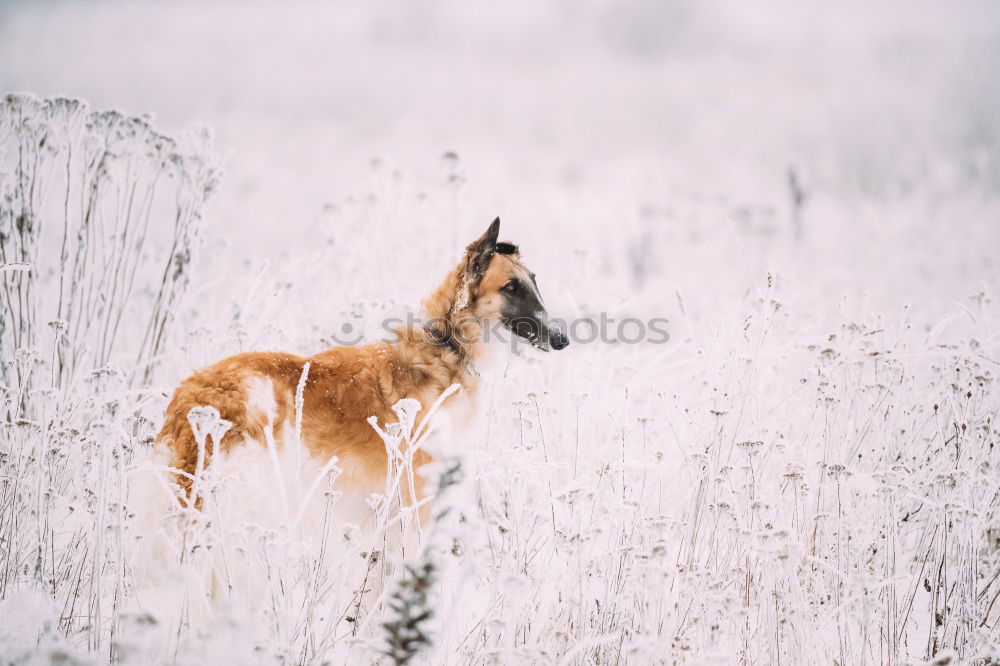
(807, 473)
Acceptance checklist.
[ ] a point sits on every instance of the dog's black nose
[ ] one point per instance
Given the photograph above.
(558, 340)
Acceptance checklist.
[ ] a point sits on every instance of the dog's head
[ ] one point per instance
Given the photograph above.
(503, 289)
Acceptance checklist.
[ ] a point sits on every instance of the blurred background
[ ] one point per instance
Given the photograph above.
(649, 150)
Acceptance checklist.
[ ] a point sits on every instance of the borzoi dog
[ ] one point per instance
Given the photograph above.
(328, 399)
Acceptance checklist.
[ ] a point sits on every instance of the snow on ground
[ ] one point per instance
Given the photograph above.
(805, 473)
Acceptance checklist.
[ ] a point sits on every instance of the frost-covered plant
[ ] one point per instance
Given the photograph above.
(86, 197)
(406, 627)
(800, 500)
(112, 207)
(403, 440)
(405, 633)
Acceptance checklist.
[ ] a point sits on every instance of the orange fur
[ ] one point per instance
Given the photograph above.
(346, 385)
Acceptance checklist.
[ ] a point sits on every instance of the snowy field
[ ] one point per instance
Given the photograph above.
(806, 472)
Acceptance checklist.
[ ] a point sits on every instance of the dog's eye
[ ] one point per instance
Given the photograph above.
(510, 287)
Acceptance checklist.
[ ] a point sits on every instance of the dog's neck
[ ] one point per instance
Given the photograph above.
(451, 336)
(445, 338)
(450, 322)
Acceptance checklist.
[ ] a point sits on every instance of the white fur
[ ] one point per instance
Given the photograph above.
(260, 397)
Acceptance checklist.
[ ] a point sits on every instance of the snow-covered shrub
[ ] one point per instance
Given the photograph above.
(99, 215)
(99, 218)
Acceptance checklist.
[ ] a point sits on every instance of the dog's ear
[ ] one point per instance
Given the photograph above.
(508, 248)
(480, 252)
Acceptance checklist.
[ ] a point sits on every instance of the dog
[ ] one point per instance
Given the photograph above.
(343, 387)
